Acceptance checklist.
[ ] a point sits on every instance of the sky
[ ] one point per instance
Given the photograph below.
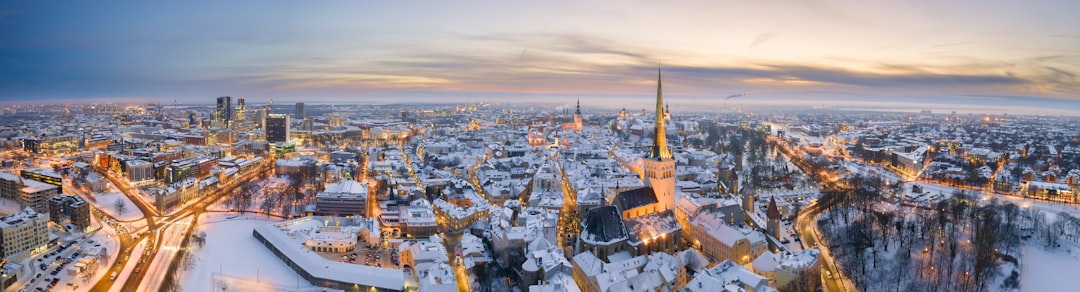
(874, 53)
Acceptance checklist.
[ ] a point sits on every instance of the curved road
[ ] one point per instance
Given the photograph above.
(811, 238)
(125, 253)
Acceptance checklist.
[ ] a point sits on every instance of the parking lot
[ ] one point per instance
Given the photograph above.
(380, 255)
(52, 267)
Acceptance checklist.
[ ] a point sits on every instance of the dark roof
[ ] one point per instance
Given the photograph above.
(772, 212)
(745, 190)
(603, 224)
(634, 198)
(653, 224)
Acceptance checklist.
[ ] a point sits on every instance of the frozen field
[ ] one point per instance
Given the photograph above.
(232, 250)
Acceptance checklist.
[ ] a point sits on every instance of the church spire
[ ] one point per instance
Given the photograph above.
(578, 106)
(660, 150)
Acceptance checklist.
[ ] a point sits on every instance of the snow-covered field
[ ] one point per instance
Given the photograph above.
(106, 202)
(232, 250)
(1045, 270)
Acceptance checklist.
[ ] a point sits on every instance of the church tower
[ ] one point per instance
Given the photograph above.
(577, 116)
(659, 165)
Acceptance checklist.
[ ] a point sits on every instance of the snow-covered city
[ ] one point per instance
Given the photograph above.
(547, 146)
(489, 197)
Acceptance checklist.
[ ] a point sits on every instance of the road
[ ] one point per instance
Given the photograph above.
(808, 229)
(811, 238)
(462, 278)
(125, 251)
(156, 226)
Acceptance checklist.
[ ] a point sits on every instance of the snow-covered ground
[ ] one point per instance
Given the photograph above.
(106, 202)
(232, 250)
(8, 206)
(1045, 270)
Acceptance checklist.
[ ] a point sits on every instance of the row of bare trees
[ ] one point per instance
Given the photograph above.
(959, 244)
(285, 199)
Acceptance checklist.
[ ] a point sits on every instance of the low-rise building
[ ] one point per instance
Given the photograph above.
(283, 240)
(35, 194)
(23, 233)
(45, 176)
(788, 269)
(728, 276)
(720, 241)
(9, 186)
(346, 198)
(68, 209)
(417, 220)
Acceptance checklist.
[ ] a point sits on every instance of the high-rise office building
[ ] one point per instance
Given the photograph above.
(260, 117)
(241, 110)
(300, 111)
(277, 128)
(224, 111)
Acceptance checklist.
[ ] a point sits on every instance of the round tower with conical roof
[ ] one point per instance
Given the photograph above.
(773, 215)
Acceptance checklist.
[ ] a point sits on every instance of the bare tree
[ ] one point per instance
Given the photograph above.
(885, 225)
(242, 198)
(103, 257)
(267, 205)
(188, 262)
(120, 206)
(199, 238)
(87, 274)
(986, 238)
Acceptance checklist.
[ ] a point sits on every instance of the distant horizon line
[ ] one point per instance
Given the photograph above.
(679, 105)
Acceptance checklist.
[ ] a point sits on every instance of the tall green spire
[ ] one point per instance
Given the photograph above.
(660, 150)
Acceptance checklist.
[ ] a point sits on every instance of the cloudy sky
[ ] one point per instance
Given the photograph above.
(1013, 53)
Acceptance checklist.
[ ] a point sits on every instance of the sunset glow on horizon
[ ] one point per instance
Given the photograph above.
(1008, 51)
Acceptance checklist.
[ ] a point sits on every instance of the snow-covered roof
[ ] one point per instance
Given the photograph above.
(33, 186)
(726, 234)
(603, 225)
(22, 216)
(346, 189)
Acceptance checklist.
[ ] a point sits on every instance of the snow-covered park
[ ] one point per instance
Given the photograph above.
(1049, 270)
